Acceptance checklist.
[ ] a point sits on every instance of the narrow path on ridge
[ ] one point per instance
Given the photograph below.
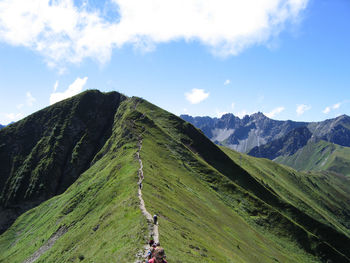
(153, 229)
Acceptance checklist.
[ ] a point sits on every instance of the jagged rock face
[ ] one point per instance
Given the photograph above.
(286, 145)
(257, 129)
(333, 130)
(242, 134)
(43, 154)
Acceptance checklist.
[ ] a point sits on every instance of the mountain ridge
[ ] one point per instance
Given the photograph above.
(34, 147)
(257, 129)
(319, 155)
(203, 195)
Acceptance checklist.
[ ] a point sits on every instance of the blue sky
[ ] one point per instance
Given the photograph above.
(289, 59)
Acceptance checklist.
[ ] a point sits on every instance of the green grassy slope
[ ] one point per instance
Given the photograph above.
(100, 210)
(318, 156)
(210, 209)
(43, 154)
(322, 195)
(261, 217)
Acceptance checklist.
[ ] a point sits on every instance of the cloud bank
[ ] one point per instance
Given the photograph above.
(63, 32)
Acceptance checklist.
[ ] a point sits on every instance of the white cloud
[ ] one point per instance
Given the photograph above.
(55, 86)
(336, 106)
(302, 108)
(274, 112)
(196, 96)
(73, 89)
(327, 110)
(30, 99)
(227, 82)
(63, 32)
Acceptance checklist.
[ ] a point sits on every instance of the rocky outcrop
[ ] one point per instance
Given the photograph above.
(256, 130)
(287, 145)
(242, 134)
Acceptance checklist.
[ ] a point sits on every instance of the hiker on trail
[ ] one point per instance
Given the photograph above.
(155, 219)
(151, 241)
(150, 252)
(158, 256)
(140, 185)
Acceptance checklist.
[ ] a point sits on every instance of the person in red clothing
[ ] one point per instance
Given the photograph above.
(158, 256)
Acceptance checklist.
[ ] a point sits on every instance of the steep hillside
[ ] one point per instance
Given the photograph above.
(319, 156)
(324, 196)
(211, 207)
(265, 210)
(96, 219)
(285, 146)
(43, 154)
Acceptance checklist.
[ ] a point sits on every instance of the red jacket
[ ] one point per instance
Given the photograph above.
(153, 260)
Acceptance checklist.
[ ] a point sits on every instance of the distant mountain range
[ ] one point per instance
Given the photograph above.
(1, 126)
(256, 130)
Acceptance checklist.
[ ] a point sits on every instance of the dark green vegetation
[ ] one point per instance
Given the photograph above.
(319, 156)
(213, 204)
(46, 152)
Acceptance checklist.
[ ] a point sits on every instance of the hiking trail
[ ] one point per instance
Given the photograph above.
(153, 229)
(61, 231)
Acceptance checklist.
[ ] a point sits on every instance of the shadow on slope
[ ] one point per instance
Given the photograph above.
(43, 154)
(99, 211)
(315, 237)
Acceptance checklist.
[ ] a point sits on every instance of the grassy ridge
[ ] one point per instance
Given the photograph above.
(43, 154)
(321, 195)
(212, 206)
(204, 217)
(319, 156)
(100, 210)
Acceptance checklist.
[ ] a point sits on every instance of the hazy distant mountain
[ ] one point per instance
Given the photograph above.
(243, 134)
(287, 145)
(257, 130)
(335, 131)
(1, 126)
